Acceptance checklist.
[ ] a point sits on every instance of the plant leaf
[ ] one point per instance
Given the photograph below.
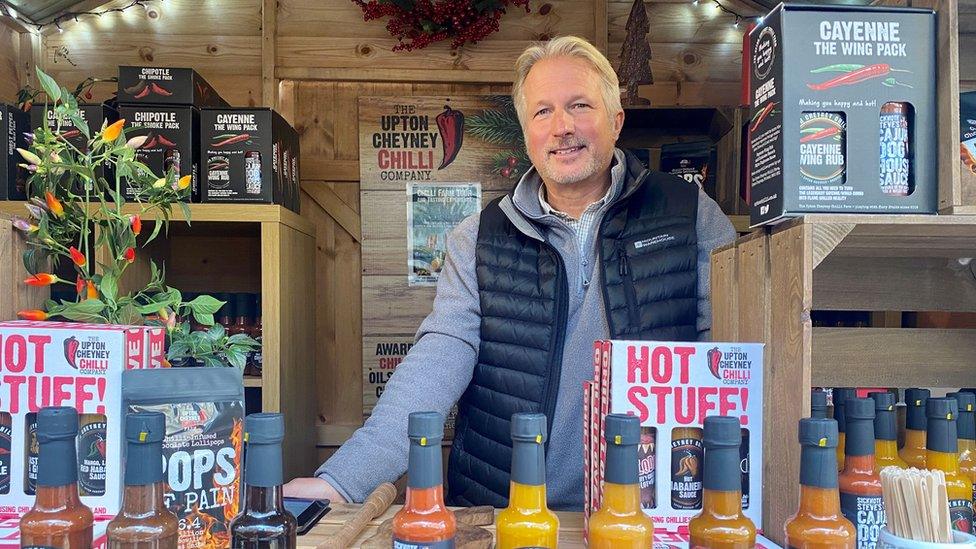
(212, 362)
(205, 304)
(205, 319)
(109, 286)
(51, 88)
(216, 332)
(236, 358)
(84, 311)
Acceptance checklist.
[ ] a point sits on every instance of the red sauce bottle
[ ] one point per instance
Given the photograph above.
(424, 521)
(860, 485)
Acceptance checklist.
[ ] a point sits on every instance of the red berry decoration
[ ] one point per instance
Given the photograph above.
(506, 172)
(512, 161)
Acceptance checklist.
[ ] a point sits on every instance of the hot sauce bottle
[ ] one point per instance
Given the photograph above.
(721, 524)
(621, 523)
(818, 523)
(424, 521)
(818, 404)
(915, 425)
(966, 429)
(144, 521)
(841, 394)
(885, 432)
(527, 522)
(941, 453)
(58, 518)
(263, 522)
(859, 483)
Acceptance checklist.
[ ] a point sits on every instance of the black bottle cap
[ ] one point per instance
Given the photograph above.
(915, 400)
(425, 430)
(885, 427)
(56, 423)
(529, 427)
(966, 423)
(144, 433)
(722, 432)
(859, 413)
(624, 426)
(818, 404)
(57, 428)
(941, 434)
(622, 434)
(264, 428)
(841, 394)
(263, 433)
(528, 450)
(818, 452)
(722, 438)
(145, 427)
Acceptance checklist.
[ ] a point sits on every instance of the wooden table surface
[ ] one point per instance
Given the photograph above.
(570, 527)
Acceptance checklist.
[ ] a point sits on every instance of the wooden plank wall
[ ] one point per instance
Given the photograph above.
(967, 45)
(10, 73)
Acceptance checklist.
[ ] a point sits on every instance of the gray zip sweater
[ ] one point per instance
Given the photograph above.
(439, 366)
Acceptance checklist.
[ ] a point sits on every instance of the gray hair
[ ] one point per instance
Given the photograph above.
(567, 46)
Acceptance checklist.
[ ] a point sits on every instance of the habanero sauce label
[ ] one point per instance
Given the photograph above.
(867, 513)
(961, 515)
(202, 455)
(91, 455)
(401, 544)
(686, 473)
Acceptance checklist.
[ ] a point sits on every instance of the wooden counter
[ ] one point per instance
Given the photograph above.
(570, 527)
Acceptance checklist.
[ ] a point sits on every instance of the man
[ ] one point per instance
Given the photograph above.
(589, 245)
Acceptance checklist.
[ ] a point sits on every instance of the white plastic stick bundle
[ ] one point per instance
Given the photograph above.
(916, 504)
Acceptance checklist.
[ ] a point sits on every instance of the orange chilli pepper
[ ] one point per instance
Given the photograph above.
(32, 314)
(136, 224)
(41, 279)
(112, 132)
(92, 291)
(77, 257)
(53, 204)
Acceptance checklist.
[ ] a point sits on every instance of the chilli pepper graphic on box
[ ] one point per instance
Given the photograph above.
(68, 364)
(672, 387)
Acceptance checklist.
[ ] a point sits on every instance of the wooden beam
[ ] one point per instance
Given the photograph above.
(269, 31)
(601, 26)
(30, 57)
(345, 216)
(402, 75)
(947, 65)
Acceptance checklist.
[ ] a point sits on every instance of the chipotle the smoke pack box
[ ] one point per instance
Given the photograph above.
(172, 142)
(95, 115)
(249, 155)
(166, 86)
(672, 387)
(14, 123)
(843, 103)
(68, 364)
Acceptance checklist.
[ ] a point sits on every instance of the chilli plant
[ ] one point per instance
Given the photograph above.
(76, 214)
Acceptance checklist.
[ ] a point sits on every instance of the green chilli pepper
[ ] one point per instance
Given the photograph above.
(842, 67)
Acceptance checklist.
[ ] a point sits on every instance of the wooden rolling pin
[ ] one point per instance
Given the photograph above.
(375, 505)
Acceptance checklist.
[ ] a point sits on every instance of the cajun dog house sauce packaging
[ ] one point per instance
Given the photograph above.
(14, 123)
(166, 86)
(250, 155)
(843, 103)
(202, 449)
(172, 142)
(68, 364)
(95, 115)
(672, 387)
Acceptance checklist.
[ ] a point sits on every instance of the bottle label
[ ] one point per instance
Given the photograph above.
(744, 467)
(91, 455)
(867, 514)
(403, 544)
(5, 435)
(961, 515)
(895, 162)
(686, 473)
(646, 467)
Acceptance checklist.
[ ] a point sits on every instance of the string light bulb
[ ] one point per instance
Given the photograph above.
(56, 21)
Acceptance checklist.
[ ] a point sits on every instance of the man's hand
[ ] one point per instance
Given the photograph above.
(312, 488)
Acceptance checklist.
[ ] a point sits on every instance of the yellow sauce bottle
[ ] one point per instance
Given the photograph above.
(966, 428)
(721, 524)
(885, 432)
(915, 425)
(527, 522)
(942, 453)
(621, 523)
(841, 394)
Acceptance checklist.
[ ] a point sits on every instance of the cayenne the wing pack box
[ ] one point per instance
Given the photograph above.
(95, 115)
(166, 86)
(172, 142)
(672, 387)
(68, 364)
(250, 155)
(843, 103)
(202, 450)
(14, 123)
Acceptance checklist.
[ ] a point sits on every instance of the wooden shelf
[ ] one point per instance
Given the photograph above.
(224, 213)
(740, 222)
(675, 121)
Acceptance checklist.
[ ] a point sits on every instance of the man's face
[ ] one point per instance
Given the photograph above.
(568, 133)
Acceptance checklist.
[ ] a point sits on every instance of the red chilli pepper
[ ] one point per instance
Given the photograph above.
(853, 77)
(142, 94)
(232, 140)
(78, 257)
(762, 116)
(450, 124)
(826, 132)
(166, 142)
(32, 314)
(156, 88)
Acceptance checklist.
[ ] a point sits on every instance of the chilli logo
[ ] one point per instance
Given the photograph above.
(714, 358)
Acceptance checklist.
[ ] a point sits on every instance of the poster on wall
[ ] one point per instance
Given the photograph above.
(433, 210)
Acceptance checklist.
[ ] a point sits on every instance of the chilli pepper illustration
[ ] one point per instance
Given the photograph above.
(97, 449)
(150, 143)
(688, 465)
(841, 67)
(71, 346)
(855, 76)
(142, 94)
(166, 142)
(70, 133)
(761, 115)
(967, 157)
(136, 88)
(714, 360)
(820, 134)
(231, 140)
(962, 524)
(157, 89)
(450, 124)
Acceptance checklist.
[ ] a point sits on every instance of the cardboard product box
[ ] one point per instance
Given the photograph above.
(250, 155)
(166, 86)
(68, 364)
(95, 114)
(843, 112)
(173, 140)
(967, 130)
(14, 123)
(672, 387)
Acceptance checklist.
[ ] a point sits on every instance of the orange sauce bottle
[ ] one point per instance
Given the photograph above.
(424, 521)
(915, 425)
(819, 523)
(885, 432)
(966, 428)
(621, 523)
(58, 517)
(859, 483)
(841, 394)
(721, 524)
(942, 453)
(527, 521)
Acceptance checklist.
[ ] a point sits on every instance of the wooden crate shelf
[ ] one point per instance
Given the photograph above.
(766, 284)
(259, 248)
